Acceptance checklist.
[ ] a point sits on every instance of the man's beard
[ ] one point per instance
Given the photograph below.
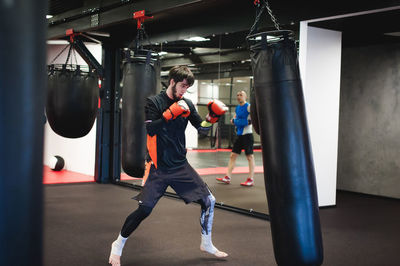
(176, 98)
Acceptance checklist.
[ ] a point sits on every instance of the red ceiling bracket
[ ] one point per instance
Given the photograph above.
(140, 17)
(71, 34)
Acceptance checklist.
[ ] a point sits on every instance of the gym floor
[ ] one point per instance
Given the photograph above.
(82, 219)
(213, 163)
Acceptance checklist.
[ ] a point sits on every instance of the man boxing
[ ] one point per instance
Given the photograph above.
(167, 115)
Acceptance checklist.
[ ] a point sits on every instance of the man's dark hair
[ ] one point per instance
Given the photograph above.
(179, 73)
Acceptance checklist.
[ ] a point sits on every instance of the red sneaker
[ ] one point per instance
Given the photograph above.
(248, 183)
(226, 179)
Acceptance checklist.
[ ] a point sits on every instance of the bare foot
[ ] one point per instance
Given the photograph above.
(215, 252)
(114, 260)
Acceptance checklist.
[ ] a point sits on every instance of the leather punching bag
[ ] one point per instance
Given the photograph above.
(72, 99)
(288, 164)
(22, 92)
(253, 111)
(139, 82)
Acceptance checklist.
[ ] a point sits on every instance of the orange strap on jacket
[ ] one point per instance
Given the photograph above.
(152, 148)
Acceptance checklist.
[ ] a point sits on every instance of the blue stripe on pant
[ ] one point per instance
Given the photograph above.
(207, 215)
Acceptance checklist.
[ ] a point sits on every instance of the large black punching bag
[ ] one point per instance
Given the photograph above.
(253, 111)
(139, 81)
(23, 29)
(288, 163)
(72, 100)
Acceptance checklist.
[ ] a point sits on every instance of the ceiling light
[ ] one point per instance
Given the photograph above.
(197, 39)
(270, 38)
(49, 16)
(160, 53)
(59, 42)
(396, 34)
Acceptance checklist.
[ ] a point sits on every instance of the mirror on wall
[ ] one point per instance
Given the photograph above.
(210, 154)
(221, 68)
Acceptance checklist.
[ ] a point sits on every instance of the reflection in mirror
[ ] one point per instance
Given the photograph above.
(210, 154)
(211, 159)
(221, 67)
(211, 164)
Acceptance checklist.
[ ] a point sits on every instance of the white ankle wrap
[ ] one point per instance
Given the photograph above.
(118, 245)
(207, 245)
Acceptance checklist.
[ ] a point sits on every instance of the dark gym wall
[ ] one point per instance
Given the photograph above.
(369, 125)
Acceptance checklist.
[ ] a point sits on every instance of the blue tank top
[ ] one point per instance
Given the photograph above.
(242, 120)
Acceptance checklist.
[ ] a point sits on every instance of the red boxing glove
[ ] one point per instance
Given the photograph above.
(179, 108)
(216, 109)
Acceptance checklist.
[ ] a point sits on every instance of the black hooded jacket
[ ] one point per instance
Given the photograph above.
(166, 143)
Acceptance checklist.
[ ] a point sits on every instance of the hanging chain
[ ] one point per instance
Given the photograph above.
(261, 9)
(141, 35)
(274, 20)
(69, 54)
(55, 58)
(148, 39)
(76, 60)
(253, 28)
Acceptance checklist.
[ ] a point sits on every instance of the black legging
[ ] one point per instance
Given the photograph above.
(136, 217)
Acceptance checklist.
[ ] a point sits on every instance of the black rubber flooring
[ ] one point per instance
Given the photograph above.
(248, 198)
(81, 221)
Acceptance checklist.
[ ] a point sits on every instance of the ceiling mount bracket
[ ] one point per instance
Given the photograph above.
(140, 16)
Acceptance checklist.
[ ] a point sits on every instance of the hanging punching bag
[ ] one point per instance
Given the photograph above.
(139, 82)
(253, 111)
(22, 93)
(72, 98)
(288, 164)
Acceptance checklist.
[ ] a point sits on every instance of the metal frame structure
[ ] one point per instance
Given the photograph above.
(108, 137)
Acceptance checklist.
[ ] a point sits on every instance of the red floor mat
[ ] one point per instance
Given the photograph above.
(222, 170)
(65, 177)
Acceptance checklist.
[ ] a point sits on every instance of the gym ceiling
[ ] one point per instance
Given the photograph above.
(224, 22)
